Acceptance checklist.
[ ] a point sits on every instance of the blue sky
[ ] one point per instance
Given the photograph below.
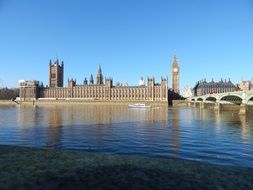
(129, 38)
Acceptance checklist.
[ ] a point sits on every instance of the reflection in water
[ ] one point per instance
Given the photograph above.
(28, 116)
(175, 133)
(97, 114)
(217, 119)
(241, 123)
(55, 121)
(187, 133)
(55, 116)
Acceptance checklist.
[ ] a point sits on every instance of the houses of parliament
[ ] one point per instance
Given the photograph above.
(102, 89)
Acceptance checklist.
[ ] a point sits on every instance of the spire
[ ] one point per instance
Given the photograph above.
(99, 69)
(91, 79)
(175, 62)
(99, 75)
(85, 82)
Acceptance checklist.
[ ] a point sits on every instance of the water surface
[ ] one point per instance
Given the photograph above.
(182, 133)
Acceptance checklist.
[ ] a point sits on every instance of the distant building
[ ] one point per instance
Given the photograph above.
(121, 84)
(175, 75)
(102, 90)
(141, 82)
(186, 92)
(246, 85)
(91, 79)
(85, 81)
(203, 87)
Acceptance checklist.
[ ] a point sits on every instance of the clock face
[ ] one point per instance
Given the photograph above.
(175, 69)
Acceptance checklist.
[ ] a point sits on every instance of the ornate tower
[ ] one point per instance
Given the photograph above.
(91, 79)
(99, 76)
(151, 86)
(56, 74)
(28, 89)
(164, 89)
(85, 82)
(175, 75)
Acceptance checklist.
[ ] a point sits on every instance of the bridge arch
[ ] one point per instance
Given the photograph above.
(250, 98)
(211, 98)
(234, 99)
(200, 99)
(230, 94)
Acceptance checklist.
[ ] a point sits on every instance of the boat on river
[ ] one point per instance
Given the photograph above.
(139, 105)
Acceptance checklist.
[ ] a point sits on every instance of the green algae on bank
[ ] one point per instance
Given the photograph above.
(31, 168)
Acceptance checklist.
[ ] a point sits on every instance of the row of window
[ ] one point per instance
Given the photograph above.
(100, 92)
(203, 91)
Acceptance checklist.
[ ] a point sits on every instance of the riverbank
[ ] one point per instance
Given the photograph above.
(7, 103)
(31, 168)
(90, 102)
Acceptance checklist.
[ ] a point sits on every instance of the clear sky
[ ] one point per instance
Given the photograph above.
(129, 38)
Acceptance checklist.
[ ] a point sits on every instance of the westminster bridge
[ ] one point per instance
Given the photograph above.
(239, 100)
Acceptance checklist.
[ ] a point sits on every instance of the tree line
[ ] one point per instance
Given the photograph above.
(8, 94)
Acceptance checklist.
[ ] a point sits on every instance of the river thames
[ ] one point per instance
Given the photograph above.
(181, 133)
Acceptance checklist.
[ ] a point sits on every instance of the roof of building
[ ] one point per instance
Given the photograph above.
(221, 83)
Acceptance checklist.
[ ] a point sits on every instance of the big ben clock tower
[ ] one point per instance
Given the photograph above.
(175, 75)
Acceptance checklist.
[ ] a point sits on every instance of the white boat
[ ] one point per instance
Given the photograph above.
(138, 105)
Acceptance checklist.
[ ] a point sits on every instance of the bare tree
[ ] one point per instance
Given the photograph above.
(8, 94)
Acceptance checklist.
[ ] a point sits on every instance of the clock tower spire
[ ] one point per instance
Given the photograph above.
(175, 75)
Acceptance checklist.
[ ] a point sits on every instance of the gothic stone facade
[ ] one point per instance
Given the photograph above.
(99, 91)
(28, 90)
(56, 74)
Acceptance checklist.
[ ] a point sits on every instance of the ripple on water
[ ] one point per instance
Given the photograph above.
(183, 133)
